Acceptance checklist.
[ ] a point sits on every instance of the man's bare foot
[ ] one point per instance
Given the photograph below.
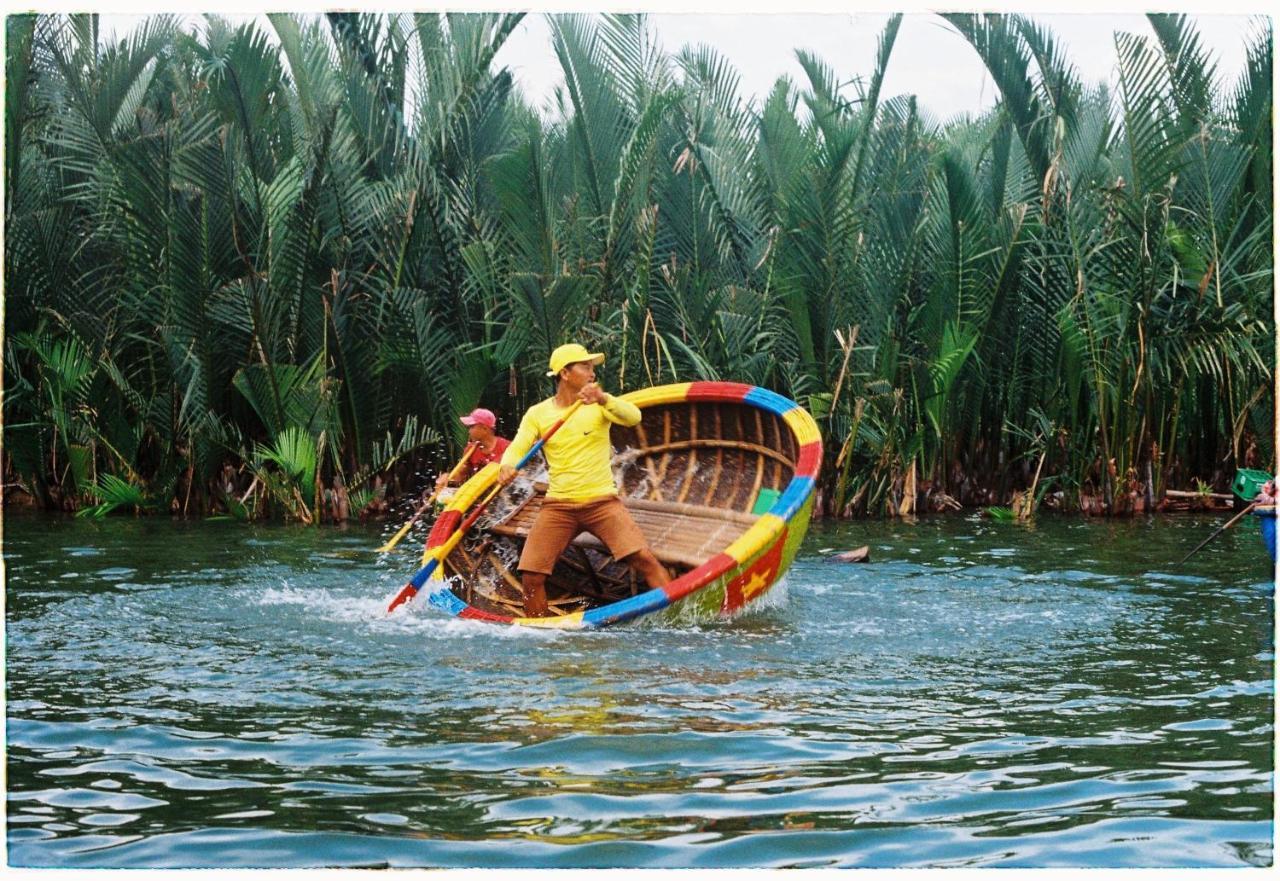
(535, 598)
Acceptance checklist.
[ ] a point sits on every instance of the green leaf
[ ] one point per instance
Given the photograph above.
(113, 492)
(293, 451)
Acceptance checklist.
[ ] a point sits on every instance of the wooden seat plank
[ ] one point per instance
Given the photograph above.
(679, 534)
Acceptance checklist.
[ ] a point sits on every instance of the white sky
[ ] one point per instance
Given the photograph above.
(930, 59)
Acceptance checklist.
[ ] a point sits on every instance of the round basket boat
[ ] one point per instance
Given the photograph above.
(720, 478)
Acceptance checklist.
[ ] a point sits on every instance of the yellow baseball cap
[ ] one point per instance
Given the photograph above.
(571, 353)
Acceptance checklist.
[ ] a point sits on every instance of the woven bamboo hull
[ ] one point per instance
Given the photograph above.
(690, 473)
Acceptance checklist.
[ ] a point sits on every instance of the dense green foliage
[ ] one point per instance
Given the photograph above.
(289, 260)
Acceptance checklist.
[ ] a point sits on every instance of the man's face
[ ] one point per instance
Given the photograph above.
(579, 373)
(479, 433)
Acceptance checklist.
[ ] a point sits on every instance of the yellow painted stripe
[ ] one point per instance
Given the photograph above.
(675, 393)
(802, 424)
(560, 622)
(476, 486)
(757, 538)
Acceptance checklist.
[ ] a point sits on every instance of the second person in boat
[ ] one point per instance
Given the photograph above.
(485, 446)
(582, 495)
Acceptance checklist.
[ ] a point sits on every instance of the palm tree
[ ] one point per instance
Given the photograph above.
(265, 270)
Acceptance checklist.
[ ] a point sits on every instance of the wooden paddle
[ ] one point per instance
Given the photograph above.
(410, 590)
(1232, 522)
(404, 530)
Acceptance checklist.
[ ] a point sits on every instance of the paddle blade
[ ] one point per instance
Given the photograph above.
(406, 593)
(410, 590)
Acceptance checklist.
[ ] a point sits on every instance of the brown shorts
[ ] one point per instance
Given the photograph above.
(559, 523)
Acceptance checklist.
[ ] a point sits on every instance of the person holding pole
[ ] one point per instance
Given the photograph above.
(485, 445)
(582, 494)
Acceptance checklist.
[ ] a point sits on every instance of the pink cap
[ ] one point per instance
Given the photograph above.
(480, 416)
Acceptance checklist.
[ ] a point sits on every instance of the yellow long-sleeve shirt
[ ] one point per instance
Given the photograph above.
(578, 454)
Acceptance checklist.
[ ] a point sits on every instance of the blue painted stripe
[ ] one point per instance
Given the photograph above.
(771, 401)
(1267, 523)
(632, 607)
(791, 500)
(420, 577)
(444, 599)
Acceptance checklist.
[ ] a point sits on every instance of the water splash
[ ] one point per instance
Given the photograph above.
(418, 617)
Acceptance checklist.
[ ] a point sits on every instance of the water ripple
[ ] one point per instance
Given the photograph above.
(191, 695)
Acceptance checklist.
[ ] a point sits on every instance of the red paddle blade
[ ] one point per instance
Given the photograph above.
(406, 593)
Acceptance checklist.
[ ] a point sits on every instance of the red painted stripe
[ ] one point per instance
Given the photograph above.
(696, 578)
(480, 615)
(717, 391)
(444, 528)
(809, 460)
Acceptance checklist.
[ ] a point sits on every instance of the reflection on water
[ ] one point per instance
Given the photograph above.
(210, 694)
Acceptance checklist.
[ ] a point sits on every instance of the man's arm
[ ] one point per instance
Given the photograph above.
(447, 478)
(620, 412)
(616, 411)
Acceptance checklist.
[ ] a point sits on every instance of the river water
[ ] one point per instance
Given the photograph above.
(981, 694)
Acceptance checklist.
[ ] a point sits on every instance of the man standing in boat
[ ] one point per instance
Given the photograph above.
(486, 445)
(582, 494)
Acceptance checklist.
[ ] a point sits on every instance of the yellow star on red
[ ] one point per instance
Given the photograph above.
(759, 581)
